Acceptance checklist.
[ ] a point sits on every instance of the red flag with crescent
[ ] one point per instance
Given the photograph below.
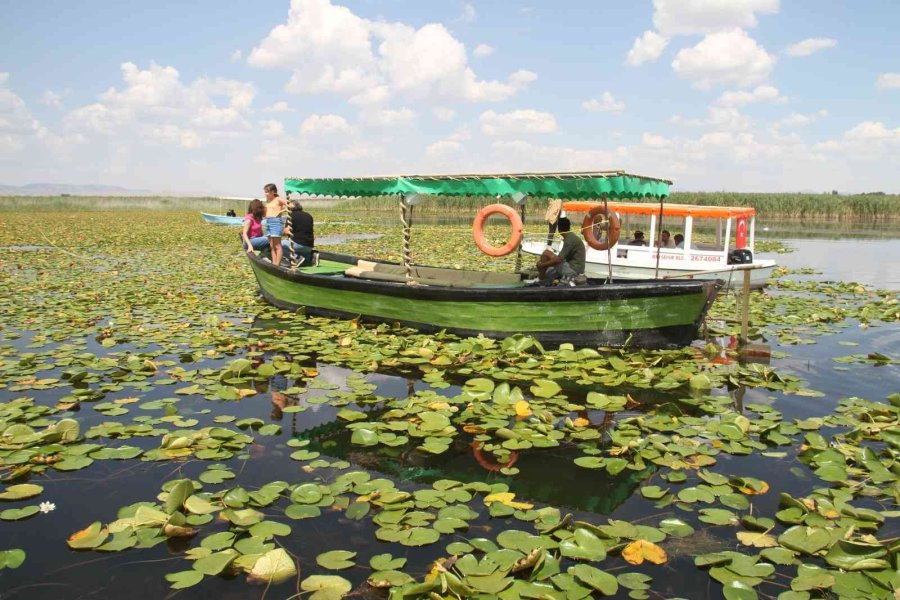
(740, 240)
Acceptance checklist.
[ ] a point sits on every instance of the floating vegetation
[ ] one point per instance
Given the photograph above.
(154, 411)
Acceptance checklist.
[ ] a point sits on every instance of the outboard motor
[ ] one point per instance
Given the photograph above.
(740, 256)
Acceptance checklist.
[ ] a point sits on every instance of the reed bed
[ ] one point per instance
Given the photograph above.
(864, 207)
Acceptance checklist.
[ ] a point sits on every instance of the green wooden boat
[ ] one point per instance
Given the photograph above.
(641, 314)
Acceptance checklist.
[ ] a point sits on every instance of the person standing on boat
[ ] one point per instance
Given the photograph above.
(302, 234)
(569, 263)
(275, 205)
(252, 229)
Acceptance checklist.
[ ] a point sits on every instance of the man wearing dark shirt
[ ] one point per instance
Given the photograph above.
(302, 236)
(569, 263)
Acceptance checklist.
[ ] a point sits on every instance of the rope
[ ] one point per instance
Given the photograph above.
(407, 226)
(519, 250)
(292, 255)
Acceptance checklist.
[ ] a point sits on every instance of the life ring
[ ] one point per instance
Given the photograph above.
(488, 463)
(612, 232)
(478, 229)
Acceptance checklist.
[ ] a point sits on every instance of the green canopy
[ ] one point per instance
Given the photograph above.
(571, 186)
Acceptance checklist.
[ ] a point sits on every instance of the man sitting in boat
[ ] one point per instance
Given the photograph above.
(302, 235)
(679, 241)
(665, 240)
(638, 239)
(569, 263)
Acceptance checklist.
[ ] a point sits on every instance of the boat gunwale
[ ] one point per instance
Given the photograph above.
(588, 293)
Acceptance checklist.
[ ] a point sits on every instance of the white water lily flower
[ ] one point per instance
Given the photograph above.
(47, 507)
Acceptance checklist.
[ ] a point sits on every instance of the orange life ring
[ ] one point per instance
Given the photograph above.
(515, 223)
(612, 233)
(489, 464)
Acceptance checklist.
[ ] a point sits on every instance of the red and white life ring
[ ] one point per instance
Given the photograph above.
(612, 233)
(515, 223)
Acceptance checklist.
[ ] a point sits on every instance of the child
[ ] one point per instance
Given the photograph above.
(275, 205)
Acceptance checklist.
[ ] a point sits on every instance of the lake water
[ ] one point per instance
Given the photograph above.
(546, 477)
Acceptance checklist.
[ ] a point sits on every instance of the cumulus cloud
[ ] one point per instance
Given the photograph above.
(329, 49)
(887, 81)
(518, 155)
(19, 128)
(606, 104)
(324, 125)
(801, 120)
(810, 46)
(468, 14)
(443, 113)
(450, 146)
(727, 57)
(646, 48)
(279, 107)
(389, 118)
(51, 99)
(873, 131)
(156, 104)
(482, 50)
(762, 93)
(272, 128)
(517, 122)
(689, 17)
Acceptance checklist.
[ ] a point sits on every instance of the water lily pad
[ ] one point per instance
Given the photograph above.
(601, 581)
(273, 567)
(326, 587)
(336, 559)
(21, 491)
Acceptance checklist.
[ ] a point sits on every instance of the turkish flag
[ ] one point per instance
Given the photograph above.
(740, 239)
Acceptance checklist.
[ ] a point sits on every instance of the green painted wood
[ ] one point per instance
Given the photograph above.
(512, 317)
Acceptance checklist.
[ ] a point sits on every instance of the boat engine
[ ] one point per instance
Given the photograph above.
(740, 256)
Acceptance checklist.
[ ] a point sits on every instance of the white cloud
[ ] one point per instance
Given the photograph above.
(728, 57)
(468, 13)
(272, 128)
(443, 113)
(51, 99)
(762, 93)
(450, 146)
(801, 120)
(517, 122)
(482, 50)
(324, 125)
(329, 49)
(655, 141)
(646, 48)
(810, 46)
(873, 131)
(606, 104)
(389, 118)
(361, 151)
(689, 17)
(518, 156)
(887, 81)
(156, 105)
(237, 55)
(279, 107)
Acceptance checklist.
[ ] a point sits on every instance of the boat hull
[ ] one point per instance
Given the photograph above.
(644, 266)
(222, 219)
(639, 314)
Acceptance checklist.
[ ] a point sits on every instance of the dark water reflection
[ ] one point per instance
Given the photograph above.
(547, 477)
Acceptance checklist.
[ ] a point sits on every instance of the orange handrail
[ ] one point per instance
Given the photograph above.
(669, 210)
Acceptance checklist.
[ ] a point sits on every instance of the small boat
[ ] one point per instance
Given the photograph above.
(222, 219)
(641, 314)
(729, 251)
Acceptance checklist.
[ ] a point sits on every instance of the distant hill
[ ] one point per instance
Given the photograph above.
(58, 189)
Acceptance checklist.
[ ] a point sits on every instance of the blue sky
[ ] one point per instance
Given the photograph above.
(221, 97)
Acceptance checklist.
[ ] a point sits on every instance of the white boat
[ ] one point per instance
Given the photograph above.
(724, 251)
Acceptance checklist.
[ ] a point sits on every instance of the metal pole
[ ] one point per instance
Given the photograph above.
(658, 236)
(519, 253)
(745, 308)
(609, 246)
